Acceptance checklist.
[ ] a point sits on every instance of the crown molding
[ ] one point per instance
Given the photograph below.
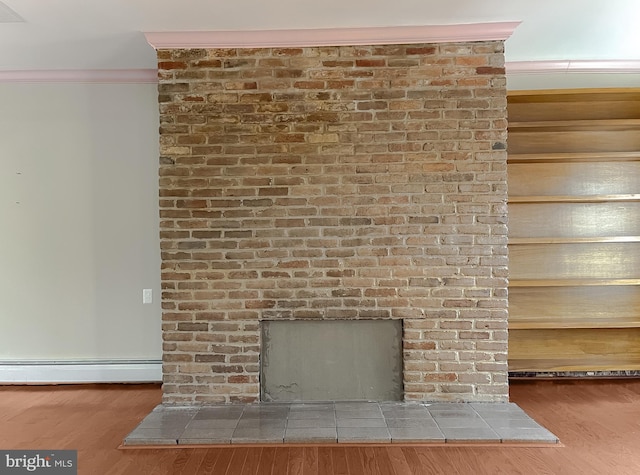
(573, 66)
(89, 76)
(332, 36)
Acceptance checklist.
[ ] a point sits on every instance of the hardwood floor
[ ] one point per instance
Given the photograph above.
(598, 423)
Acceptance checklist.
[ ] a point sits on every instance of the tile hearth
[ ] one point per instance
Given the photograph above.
(339, 422)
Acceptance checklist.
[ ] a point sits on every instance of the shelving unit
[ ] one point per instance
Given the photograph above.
(574, 230)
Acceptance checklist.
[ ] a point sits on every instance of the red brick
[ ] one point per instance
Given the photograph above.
(371, 63)
(168, 65)
(489, 70)
(421, 50)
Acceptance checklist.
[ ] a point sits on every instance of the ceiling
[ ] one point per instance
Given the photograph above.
(108, 34)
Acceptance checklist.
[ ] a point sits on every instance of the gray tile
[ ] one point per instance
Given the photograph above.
(253, 414)
(372, 435)
(407, 413)
(205, 441)
(527, 435)
(157, 420)
(484, 407)
(167, 415)
(505, 416)
(255, 421)
(319, 414)
(161, 432)
(212, 424)
(311, 435)
(257, 408)
(265, 410)
(164, 436)
(216, 433)
(175, 409)
(469, 413)
(414, 434)
(173, 426)
(361, 423)
(258, 435)
(411, 423)
(312, 406)
(387, 404)
(470, 434)
(261, 423)
(255, 411)
(448, 406)
(511, 413)
(264, 415)
(461, 422)
(403, 405)
(374, 413)
(509, 423)
(406, 407)
(346, 405)
(228, 412)
(310, 423)
(218, 436)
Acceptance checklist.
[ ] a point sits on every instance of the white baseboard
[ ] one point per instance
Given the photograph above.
(80, 372)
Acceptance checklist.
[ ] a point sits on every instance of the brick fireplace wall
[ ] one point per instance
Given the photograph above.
(355, 182)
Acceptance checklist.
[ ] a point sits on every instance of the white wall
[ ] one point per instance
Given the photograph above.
(79, 222)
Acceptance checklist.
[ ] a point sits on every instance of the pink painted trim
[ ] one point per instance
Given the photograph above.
(107, 76)
(574, 66)
(332, 36)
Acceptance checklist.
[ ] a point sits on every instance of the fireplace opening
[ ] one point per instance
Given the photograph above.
(331, 360)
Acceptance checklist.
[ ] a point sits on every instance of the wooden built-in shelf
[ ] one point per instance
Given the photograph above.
(573, 169)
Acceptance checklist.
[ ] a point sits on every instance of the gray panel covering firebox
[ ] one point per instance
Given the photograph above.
(331, 360)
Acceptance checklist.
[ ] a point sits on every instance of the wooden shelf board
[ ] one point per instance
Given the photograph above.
(515, 241)
(574, 95)
(574, 198)
(570, 282)
(575, 125)
(572, 157)
(562, 323)
(601, 363)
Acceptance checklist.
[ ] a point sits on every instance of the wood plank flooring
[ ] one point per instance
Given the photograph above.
(598, 423)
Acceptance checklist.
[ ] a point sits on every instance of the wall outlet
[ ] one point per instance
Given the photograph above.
(147, 295)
